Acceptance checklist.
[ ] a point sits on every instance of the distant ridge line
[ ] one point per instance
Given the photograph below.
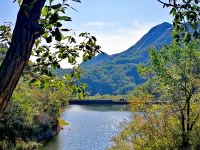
(100, 101)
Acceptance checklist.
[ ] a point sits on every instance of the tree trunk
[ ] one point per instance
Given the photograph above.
(26, 31)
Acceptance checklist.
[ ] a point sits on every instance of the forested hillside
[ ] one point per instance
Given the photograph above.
(117, 74)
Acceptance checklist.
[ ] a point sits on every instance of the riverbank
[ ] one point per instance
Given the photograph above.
(32, 117)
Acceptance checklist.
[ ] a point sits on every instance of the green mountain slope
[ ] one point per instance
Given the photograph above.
(117, 74)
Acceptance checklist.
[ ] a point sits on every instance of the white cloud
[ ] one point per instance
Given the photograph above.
(123, 37)
(97, 24)
(116, 38)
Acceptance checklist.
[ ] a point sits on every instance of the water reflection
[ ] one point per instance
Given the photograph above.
(91, 127)
(97, 107)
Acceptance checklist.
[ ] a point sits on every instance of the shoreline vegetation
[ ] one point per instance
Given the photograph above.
(32, 117)
(103, 97)
(173, 77)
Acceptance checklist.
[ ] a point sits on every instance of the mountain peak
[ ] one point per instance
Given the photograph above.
(153, 36)
(117, 74)
(165, 24)
(161, 27)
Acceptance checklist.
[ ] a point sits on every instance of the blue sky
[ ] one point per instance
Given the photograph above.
(117, 24)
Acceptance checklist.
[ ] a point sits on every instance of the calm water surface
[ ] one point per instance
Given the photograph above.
(91, 127)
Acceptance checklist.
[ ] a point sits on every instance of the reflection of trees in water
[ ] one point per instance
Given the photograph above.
(95, 107)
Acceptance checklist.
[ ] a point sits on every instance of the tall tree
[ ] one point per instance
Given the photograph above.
(35, 24)
(174, 72)
(26, 31)
(174, 83)
(177, 70)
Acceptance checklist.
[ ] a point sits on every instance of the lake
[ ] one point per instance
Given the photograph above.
(91, 127)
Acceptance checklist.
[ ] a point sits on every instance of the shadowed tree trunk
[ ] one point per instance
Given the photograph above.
(26, 31)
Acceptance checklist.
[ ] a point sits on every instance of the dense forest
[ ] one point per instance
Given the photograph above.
(117, 74)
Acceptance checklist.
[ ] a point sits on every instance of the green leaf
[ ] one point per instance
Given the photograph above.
(46, 72)
(19, 1)
(65, 18)
(58, 35)
(82, 34)
(66, 30)
(94, 38)
(49, 39)
(88, 47)
(56, 6)
(33, 80)
(71, 59)
(72, 40)
(50, 58)
(45, 11)
(38, 60)
(54, 18)
(58, 24)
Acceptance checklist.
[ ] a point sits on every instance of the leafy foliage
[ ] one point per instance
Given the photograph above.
(174, 79)
(174, 83)
(66, 46)
(3, 50)
(186, 14)
(32, 112)
(55, 44)
(5, 33)
(37, 102)
(154, 127)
